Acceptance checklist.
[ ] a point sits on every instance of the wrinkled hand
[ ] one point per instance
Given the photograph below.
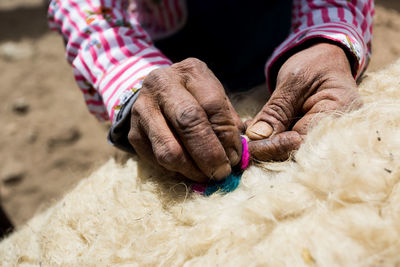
(317, 79)
(184, 122)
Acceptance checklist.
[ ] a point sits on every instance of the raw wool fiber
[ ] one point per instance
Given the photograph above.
(336, 204)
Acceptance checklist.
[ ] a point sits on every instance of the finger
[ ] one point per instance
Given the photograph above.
(323, 102)
(188, 120)
(258, 129)
(191, 124)
(142, 146)
(345, 98)
(275, 117)
(140, 143)
(210, 94)
(166, 149)
(278, 147)
(309, 119)
(280, 111)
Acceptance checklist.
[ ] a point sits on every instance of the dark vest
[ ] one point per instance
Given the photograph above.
(235, 38)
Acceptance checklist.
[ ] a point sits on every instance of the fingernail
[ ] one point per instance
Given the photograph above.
(260, 130)
(233, 156)
(221, 172)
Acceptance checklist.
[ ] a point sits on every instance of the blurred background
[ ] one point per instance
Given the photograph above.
(48, 139)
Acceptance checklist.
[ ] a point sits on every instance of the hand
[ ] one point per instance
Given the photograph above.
(184, 122)
(317, 79)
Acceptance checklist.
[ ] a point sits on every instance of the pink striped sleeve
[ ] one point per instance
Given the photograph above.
(109, 51)
(345, 22)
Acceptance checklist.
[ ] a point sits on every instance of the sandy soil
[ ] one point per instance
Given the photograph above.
(48, 139)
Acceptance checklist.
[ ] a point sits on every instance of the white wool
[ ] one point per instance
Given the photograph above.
(336, 204)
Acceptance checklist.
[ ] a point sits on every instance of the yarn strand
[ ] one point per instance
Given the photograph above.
(231, 182)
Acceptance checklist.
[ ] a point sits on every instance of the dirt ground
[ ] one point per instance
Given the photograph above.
(48, 139)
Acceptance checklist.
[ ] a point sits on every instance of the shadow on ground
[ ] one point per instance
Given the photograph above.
(389, 4)
(23, 22)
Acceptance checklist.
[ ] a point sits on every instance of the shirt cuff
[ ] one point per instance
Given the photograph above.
(118, 133)
(338, 33)
(121, 108)
(122, 81)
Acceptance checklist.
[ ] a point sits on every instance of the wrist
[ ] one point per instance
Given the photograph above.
(315, 62)
(283, 54)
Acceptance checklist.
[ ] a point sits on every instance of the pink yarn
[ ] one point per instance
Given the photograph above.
(244, 163)
(245, 155)
(199, 188)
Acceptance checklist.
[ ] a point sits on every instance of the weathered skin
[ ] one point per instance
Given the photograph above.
(184, 122)
(314, 80)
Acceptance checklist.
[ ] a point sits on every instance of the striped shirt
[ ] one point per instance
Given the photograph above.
(109, 43)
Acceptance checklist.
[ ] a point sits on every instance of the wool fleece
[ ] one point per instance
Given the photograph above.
(336, 202)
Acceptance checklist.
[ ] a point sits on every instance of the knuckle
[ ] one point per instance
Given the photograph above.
(193, 62)
(169, 155)
(155, 79)
(225, 133)
(291, 74)
(136, 107)
(133, 138)
(298, 72)
(190, 117)
(140, 107)
(280, 111)
(282, 108)
(218, 111)
(286, 145)
(156, 73)
(216, 105)
(190, 65)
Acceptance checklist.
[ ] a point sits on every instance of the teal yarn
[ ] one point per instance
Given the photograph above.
(228, 185)
(231, 182)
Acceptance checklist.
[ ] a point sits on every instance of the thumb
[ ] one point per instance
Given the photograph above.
(269, 129)
(276, 116)
(259, 130)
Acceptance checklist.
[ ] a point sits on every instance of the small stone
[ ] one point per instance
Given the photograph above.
(15, 51)
(13, 179)
(388, 170)
(12, 174)
(20, 106)
(65, 138)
